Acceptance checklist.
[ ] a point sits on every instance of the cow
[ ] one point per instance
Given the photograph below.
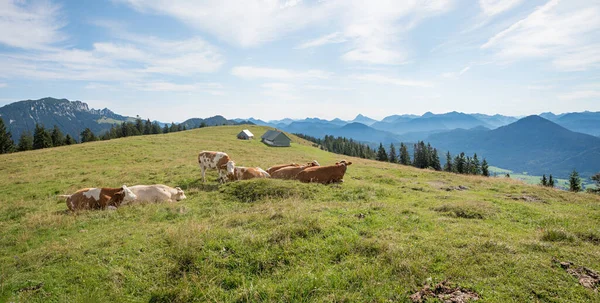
(214, 160)
(99, 198)
(324, 174)
(157, 193)
(245, 173)
(290, 172)
(272, 169)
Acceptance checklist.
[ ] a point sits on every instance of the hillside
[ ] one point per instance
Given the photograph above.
(532, 144)
(72, 117)
(378, 237)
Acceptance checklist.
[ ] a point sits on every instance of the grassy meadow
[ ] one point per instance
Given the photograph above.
(379, 237)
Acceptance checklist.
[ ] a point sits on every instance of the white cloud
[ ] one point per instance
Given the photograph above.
(336, 37)
(540, 87)
(3, 85)
(375, 29)
(251, 72)
(456, 74)
(495, 7)
(280, 91)
(164, 86)
(30, 25)
(382, 79)
(564, 32)
(580, 94)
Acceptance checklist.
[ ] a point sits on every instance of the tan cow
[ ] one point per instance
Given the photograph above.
(273, 169)
(245, 173)
(99, 198)
(290, 172)
(214, 160)
(157, 193)
(324, 174)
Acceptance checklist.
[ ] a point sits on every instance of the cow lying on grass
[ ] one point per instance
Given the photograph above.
(214, 160)
(324, 174)
(244, 173)
(157, 193)
(275, 168)
(99, 198)
(290, 172)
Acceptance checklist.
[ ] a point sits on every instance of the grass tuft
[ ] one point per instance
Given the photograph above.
(557, 235)
(261, 189)
(466, 210)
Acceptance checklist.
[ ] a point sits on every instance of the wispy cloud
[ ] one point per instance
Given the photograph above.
(563, 32)
(456, 74)
(252, 72)
(580, 94)
(336, 37)
(3, 85)
(382, 79)
(164, 86)
(30, 25)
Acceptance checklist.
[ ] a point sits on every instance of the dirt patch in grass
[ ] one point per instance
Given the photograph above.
(590, 236)
(526, 198)
(459, 188)
(587, 278)
(467, 210)
(445, 293)
(557, 235)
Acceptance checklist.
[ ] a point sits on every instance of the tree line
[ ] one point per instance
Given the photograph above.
(45, 138)
(424, 155)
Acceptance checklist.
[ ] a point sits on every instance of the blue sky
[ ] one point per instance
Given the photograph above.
(174, 59)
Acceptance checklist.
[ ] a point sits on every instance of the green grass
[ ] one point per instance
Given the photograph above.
(535, 180)
(378, 237)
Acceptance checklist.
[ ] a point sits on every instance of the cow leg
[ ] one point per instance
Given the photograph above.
(203, 174)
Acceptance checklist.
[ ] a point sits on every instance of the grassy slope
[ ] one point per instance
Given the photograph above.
(307, 242)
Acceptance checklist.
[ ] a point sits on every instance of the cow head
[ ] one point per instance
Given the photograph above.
(343, 162)
(314, 163)
(180, 195)
(128, 195)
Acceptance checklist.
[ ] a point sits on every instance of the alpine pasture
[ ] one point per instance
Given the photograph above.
(380, 236)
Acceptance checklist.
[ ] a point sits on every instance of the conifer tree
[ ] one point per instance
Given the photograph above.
(476, 170)
(58, 139)
(25, 141)
(41, 137)
(550, 181)
(156, 128)
(203, 124)
(574, 182)
(448, 166)
(166, 129)
(393, 157)
(404, 155)
(139, 125)
(381, 153)
(544, 181)
(6, 143)
(485, 168)
(596, 179)
(69, 140)
(147, 127)
(460, 163)
(88, 136)
(435, 158)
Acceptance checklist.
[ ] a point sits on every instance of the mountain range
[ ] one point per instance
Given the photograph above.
(72, 117)
(543, 144)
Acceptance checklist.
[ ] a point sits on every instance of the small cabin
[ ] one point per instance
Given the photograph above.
(276, 138)
(245, 135)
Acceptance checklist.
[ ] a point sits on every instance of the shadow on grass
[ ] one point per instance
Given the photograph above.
(209, 186)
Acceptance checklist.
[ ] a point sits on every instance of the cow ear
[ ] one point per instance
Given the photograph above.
(348, 163)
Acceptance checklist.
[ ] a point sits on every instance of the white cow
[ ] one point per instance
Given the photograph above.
(214, 160)
(157, 193)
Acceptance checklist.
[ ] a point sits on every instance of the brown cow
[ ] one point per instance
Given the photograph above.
(99, 198)
(214, 160)
(324, 174)
(245, 173)
(290, 172)
(273, 169)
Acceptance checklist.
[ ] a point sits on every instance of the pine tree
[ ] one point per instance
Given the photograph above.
(69, 140)
(460, 163)
(574, 182)
(436, 160)
(550, 181)
(393, 157)
(596, 179)
(58, 139)
(203, 124)
(448, 166)
(404, 156)
(476, 170)
(25, 141)
(156, 128)
(166, 129)
(6, 143)
(544, 181)
(88, 136)
(147, 127)
(485, 169)
(139, 125)
(381, 153)
(41, 137)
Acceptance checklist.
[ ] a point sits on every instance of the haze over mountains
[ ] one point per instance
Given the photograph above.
(544, 144)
